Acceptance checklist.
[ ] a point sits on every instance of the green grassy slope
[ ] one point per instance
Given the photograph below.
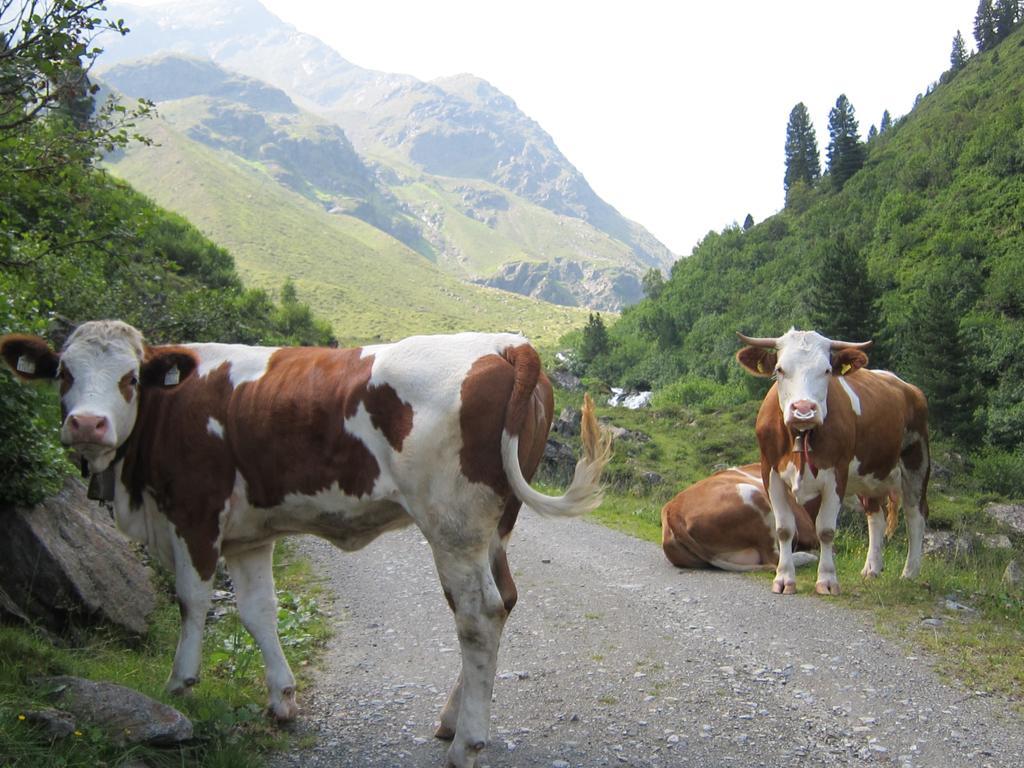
(366, 283)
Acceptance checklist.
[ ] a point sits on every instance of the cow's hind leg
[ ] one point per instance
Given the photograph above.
(916, 469)
(471, 583)
(194, 594)
(252, 574)
(509, 595)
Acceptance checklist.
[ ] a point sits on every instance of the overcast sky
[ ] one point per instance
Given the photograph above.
(674, 111)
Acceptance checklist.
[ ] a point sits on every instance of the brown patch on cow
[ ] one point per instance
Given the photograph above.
(493, 397)
(299, 444)
(172, 456)
(127, 386)
(389, 414)
(913, 456)
(66, 380)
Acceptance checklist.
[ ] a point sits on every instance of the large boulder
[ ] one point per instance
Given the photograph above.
(124, 714)
(65, 565)
(1010, 515)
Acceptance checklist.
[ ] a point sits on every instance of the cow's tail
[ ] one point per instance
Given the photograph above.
(892, 509)
(584, 493)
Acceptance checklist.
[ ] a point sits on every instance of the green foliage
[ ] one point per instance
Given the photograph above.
(802, 161)
(999, 472)
(958, 56)
(845, 151)
(842, 298)
(595, 338)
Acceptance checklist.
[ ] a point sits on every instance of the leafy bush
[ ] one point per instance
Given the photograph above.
(999, 471)
(703, 394)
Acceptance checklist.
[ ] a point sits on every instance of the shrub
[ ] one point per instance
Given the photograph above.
(999, 471)
(703, 394)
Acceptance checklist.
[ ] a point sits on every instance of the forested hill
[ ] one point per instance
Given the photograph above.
(922, 250)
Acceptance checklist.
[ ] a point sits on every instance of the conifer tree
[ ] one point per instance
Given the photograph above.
(886, 123)
(802, 160)
(842, 299)
(845, 150)
(958, 57)
(748, 222)
(1006, 14)
(595, 338)
(985, 26)
(872, 132)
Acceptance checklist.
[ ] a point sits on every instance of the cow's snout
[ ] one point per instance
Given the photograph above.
(88, 428)
(804, 412)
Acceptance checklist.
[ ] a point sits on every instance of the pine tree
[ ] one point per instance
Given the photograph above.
(886, 123)
(842, 299)
(872, 132)
(958, 57)
(1006, 13)
(595, 338)
(985, 26)
(845, 150)
(802, 160)
(748, 222)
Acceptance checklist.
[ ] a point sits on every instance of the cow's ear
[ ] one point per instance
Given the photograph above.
(30, 357)
(846, 360)
(759, 361)
(166, 366)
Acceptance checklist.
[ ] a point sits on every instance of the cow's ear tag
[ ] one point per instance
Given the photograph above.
(26, 365)
(172, 377)
(760, 367)
(845, 369)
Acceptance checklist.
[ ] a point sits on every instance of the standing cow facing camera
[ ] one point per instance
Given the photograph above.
(829, 428)
(217, 450)
(725, 521)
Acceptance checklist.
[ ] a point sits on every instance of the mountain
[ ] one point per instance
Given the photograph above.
(368, 284)
(417, 138)
(922, 250)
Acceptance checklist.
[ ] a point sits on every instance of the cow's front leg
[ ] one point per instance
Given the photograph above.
(253, 577)
(480, 615)
(825, 524)
(194, 593)
(785, 530)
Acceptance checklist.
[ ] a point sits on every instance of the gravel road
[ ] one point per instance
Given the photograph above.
(613, 657)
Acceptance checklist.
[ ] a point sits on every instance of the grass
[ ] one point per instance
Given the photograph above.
(980, 647)
(227, 707)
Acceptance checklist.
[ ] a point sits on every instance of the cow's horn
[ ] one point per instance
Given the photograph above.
(758, 342)
(851, 344)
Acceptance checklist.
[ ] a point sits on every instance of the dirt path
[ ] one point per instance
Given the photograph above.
(612, 657)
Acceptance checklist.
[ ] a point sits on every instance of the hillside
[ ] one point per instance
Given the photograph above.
(415, 133)
(930, 230)
(367, 284)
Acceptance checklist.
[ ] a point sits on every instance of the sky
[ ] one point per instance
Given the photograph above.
(675, 111)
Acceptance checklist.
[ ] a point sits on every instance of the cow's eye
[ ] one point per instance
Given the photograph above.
(134, 381)
(779, 372)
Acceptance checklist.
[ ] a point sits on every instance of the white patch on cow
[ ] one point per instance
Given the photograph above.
(854, 399)
(215, 428)
(247, 363)
(869, 485)
(750, 494)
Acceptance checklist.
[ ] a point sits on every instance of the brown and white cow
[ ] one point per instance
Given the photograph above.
(725, 521)
(217, 450)
(830, 428)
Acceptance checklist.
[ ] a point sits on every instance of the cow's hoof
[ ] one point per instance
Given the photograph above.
(444, 732)
(286, 709)
(181, 687)
(870, 573)
(827, 587)
(780, 587)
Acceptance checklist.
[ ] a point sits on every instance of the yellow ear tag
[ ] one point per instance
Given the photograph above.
(845, 369)
(760, 367)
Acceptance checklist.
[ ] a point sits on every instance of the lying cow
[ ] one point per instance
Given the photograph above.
(217, 450)
(829, 428)
(725, 521)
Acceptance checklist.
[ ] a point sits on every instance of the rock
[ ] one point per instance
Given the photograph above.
(125, 715)
(566, 380)
(53, 723)
(1013, 576)
(652, 478)
(1010, 515)
(568, 422)
(558, 462)
(996, 541)
(947, 544)
(65, 564)
(632, 400)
